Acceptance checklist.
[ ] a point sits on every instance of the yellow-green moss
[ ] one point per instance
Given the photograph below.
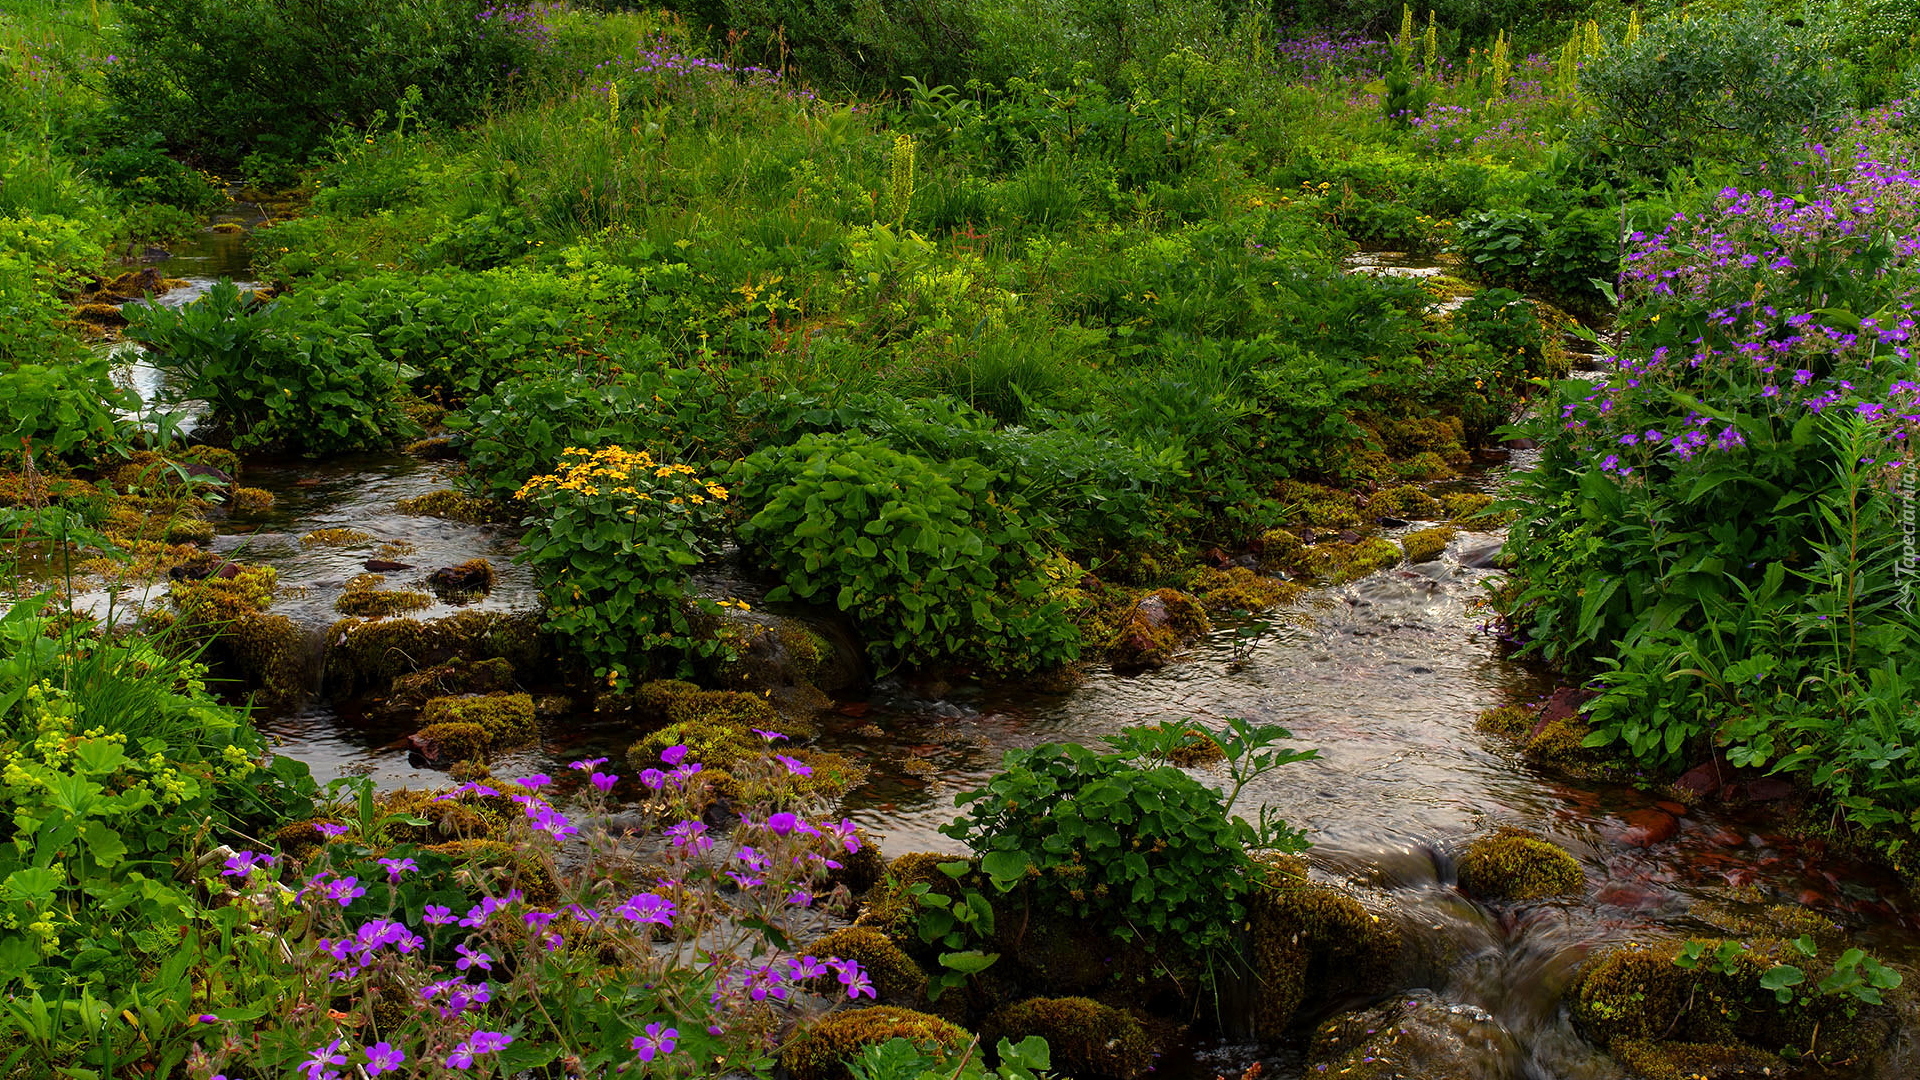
(365, 599)
(1340, 561)
(1405, 501)
(249, 500)
(1443, 436)
(472, 770)
(362, 652)
(1427, 545)
(336, 538)
(1238, 588)
(507, 718)
(1309, 939)
(1507, 721)
(1196, 749)
(1425, 465)
(466, 581)
(434, 447)
(1158, 624)
(1696, 1061)
(299, 839)
(1321, 507)
(427, 414)
(680, 702)
(447, 819)
(821, 1050)
(509, 866)
(896, 978)
(1087, 1039)
(1464, 504)
(1511, 864)
(451, 679)
(453, 741)
(457, 507)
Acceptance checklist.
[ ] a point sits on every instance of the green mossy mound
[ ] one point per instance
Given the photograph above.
(1512, 864)
(677, 702)
(507, 719)
(1507, 721)
(1313, 943)
(1405, 501)
(1464, 504)
(1425, 465)
(457, 507)
(1665, 1019)
(896, 978)
(507, 866)
(821, 1050)
(1338, 562)
(1413, 1036)
(1320, 507)
(1240, 589)
(447, 819)
(464, 582)
(452, 742)
(1698, 1061)
(1558, 746)
(223, 618)
(1087, 1039)
(369, 654)
(1406, 436)
(364, 598)
(1196, 749)
(451, 679)
(1154, 630)
(336, 537)
(249, 500)
(1427, 544)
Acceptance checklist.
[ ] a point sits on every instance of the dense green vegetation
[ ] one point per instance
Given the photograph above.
(982, 324)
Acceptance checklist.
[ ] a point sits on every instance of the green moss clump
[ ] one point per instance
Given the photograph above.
(435, 447)
(1196, 749)
(227, 618)
(299, 839)
(1464, 504)
(508, 865)
(896, 978)
(362, 653)
(1320, 507)
(860, 870)
(187, 529)
(457, 507)
(452, 741)
(1240, 589)
(1087, 1039)
(1445, 436)
(821, 1050)
(1339, 562)
(1512, 864)
(1425, 465)
(1427, 544)
(1158, 624)
(336, 538)
(248, 500)
(1696, 1061)
(447, 819)
(366, 599)
(1405, 501)
(1507, 721)
(469, 580)
(452, 679)
(1639, 1005)
(1313, 940)
(680, 702)
(507, 718)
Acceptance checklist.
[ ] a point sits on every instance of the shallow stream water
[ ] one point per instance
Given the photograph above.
(1383, 677)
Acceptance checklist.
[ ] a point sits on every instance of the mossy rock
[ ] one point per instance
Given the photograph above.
(451, 679)
(1313, 943)
(896, 978)
(1427, 545)
(1154, 630)
(433, 448)
(454, 506)
(1320, 507)
(508, 866)
(1405, 501)
(1413, 1036)
(1637, 1002)
(249, 500)
(1444, 436)
(1087, 1039)
(1196, 749)
(463, 583)
(506, 718)
(678, 702)
(860, 870)
(365, 599)
(1697, 1061)
(1507, 721)
(1239, 588)
(337, 537)
(104, 316)
(447, 819)
(1464, 504)
(1512, 864)
(299, 839)
(1339, 561)
(780, 653)
(452, 742)
(821, 1050)
(374, 653)
(1560, 746)
(1425, 465)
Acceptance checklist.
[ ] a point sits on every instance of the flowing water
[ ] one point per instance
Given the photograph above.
(1383, 677)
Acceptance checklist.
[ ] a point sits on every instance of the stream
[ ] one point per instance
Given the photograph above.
(1384, 677)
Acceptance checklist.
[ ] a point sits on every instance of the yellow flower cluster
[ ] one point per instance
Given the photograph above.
(614, 470)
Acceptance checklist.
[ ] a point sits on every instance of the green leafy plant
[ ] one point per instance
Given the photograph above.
(900, 1059)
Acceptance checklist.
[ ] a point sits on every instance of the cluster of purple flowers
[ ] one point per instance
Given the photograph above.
(526, 23)
(658, 64)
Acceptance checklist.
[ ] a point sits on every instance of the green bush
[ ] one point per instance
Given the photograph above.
(929, 560)
(271, 375)
(228, 77)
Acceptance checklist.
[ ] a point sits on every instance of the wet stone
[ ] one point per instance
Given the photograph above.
(1415, 1035)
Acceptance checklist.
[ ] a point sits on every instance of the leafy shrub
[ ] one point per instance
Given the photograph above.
(1737, 85)
(273, 377)
(1130, 848)
(929, 560)
(141, 172)
(612, 541)
(225, 78)
(1561, 255)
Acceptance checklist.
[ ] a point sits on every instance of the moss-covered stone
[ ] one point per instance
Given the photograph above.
(890, 906)
(1405, 501)
(1158, 625)
(1507, 721)
(1312, 942)
(1444, 436)
(374, 653)
(365, 599)
(452, 741)
(249, 500)
(1512, 864)
(447, 819)
(1425, 465)
(433, 448)
(1196, 749)
(457, 507)
(822, 1049)
(860, 870)
(678, 702)
(336, 537)
(1087, 1039)
(1412, 1036)
(1427, 545)
(506, 718)
(896, 978)
(1697, 1061)
(452, 679)
(1339, 561)
(224, 616)
(1464, 504)
(1639, 1004)
(1320, 507)
(463, 583)
(506, 866)
(1239, 588)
